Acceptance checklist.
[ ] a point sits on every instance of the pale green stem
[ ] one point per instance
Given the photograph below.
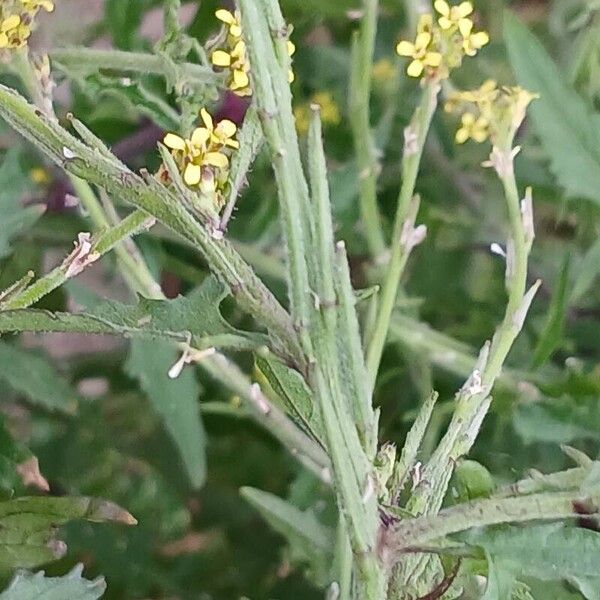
(103, 243)
(415, 135)
(473, 400)
(411, 534)
(363, 46)
(91, 60)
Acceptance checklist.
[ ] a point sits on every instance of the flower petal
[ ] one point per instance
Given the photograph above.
(445, 23)
(433, 59)
(405, 48)
(415, 68)
(174, 142)
(442, 7)
(423, 40)
(240, 79)
(480, 39)
(216, 159)
(206, 119)
(464, 9)
(291, 48)
(192, 174)
(462, 135)
(11, 22)
(220, 58)
(226, 128)
(200, 136)
(225, 16)
(465, 26)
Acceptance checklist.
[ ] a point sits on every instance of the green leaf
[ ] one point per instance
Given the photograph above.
(36, 378)
(588, 271)
(14, 218)
(289, 391)
(193, 319)
(500, 580)
(558, 421)
(565, 124)
(547, 552)
(36, 586)
(28, 526)
(552, 334)
(309, 540)
(174, 400)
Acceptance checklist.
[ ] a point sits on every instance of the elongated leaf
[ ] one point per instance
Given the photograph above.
(542, 551)
(552, 333)
(587, 273)
(14, 217)
(310, 542)
(28, 526)
(36, 586)
(565, 124)
(194, 319)
(33, 376)
(292, 394)
(174, 400)
(500, 580)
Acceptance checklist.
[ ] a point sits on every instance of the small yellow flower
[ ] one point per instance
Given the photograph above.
(474, 128)
(14, 33)
(203, 159)
(236, 61)
(421, 53)
(33, 6)
(330, 111)
(232, 20)
(222, 135)
(472, 42)
(452, 16)
(383, 71)
(291, 51)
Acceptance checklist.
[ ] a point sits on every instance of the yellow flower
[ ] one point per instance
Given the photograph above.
(474, 128)
(232, 20)
(236, 61)
(472, 42)
(291, 51)
(452, 17)
(201, 158)
(220, 136)
(330, 111)
(13, 32)
(421, 53)
(383, 71)
(32, 6)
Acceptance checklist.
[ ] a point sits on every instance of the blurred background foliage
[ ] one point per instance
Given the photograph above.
(77, 405)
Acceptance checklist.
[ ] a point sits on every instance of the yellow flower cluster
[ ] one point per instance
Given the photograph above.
(330, 111)
(441, 45)
(203, 159)
(234, 56)
(490, 112)
(16, 20)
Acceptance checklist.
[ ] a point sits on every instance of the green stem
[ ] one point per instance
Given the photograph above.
(415, 136)
(91, 60)
(414, 533)
(270, 417)
(473, 400)
(157, 200)
(363, 47)
(107, 240)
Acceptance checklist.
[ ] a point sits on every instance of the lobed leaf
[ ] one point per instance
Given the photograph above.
(36, 586)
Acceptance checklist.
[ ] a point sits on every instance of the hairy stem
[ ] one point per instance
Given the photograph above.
(415, 135)
(364, 144)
